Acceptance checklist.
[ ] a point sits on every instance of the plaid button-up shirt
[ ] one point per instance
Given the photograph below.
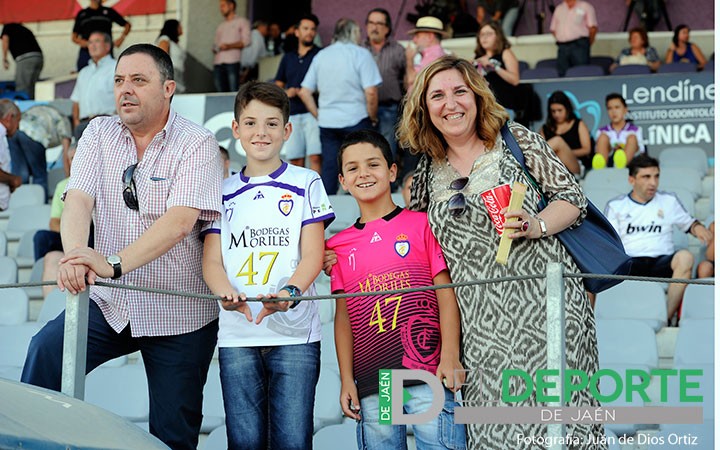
(180, 167)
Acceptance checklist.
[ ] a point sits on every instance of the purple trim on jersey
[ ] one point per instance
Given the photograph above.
(273, 175)
(288, 187)
(204, 233)
(327, 218)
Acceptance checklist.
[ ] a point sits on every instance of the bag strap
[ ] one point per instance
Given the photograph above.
(520, 157)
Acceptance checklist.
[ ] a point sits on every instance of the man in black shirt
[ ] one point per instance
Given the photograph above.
(96, 17)
(26, 52)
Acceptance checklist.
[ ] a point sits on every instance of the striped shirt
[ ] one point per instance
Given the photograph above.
(180, 167)
(391, 62)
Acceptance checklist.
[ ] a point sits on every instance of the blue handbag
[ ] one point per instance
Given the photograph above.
(594, 244)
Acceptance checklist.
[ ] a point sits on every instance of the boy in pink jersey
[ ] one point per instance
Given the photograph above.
(391, 248)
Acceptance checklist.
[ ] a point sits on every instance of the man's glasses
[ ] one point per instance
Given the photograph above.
(379, 24)
(129, 192)
(457, 203)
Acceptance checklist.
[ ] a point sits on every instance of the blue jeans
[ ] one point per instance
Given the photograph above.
(269, 395)
(226, 77)
(46, 241)
(330, 140)
(176, 368)
(27, 157)
(573, 53)
(439, 434)
(387, 124)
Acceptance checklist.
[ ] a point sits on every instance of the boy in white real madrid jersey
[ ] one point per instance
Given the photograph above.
(644, 220)
(269, 244)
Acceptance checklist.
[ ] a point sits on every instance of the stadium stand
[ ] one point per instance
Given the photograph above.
(635, 300)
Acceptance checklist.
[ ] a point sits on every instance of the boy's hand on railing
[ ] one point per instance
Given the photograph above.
(232, 301)
(270, 308)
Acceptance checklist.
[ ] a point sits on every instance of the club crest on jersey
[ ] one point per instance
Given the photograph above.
(285, 204)
(661, 214)
(402, 245)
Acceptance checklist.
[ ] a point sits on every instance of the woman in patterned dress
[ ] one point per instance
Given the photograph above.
(453, 120)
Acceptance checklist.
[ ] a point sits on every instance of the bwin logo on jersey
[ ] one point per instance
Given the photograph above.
(402, 245)
(285, 205)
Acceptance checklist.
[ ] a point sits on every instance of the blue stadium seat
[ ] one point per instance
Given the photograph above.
(539, 73)
(677, 67)
(550, 63)
(217, 440)
(588, 70)
(687, 156)
(698, 303)
(14, 301)
(8, 271)
(52, 306)
(331, 437)
(626, 342)
(695, 343)
(603, 61)
(631, 69)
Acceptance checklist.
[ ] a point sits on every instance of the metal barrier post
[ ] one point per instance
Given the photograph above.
(75, 344)
(555, 322)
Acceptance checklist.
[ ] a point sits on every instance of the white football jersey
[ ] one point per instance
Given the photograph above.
(646, 228)
(260, 238)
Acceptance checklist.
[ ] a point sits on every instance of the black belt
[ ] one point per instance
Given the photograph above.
(574, 41)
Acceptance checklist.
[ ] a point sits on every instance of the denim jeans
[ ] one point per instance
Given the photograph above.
(387, 123)
(46, 241)
(331, 139)
(573, 53)
(27, 157)
(269, 395)
(226, 77)
(439, 434)
(176, 368)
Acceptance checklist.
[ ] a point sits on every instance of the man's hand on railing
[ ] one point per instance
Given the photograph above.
(79, 263)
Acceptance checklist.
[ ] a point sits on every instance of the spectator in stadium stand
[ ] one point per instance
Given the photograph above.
(504, 12)
(168, 40)
(347, 78)
(305, 137)
(706, 268)
(9, 123)
(151, 179)
(640, 51)
(567, 134)
(620, 140)
(426, 48)
(574, 26)
(231, 36)
(498, 64)
(27, 54)
(682, 50)
(96, 17)
(390, 58)
(453, 119)
(93, 93)
(644, 219)
(251, 55)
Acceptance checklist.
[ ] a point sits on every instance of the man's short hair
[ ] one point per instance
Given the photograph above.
(346, 30)
(232, 2)
(641, 161)
(267, 93)
(8, 107)
(309, 16)
(366, 136)
(162, 60)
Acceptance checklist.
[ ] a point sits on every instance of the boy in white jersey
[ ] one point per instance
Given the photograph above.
(619, 141)
(391, 248)
(268, 244)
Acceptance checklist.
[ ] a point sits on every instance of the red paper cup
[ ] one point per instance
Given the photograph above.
(495, 200)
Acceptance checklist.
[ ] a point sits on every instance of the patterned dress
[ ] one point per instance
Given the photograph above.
(503, 324)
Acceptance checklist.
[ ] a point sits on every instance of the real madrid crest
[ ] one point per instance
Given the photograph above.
(285, 204)
(402, 245)
(661, 214)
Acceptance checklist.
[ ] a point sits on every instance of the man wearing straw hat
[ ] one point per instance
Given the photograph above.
(427, 34)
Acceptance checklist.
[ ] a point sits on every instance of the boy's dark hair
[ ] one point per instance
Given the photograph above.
(371, 137)
(264, 92)
(615, 96)
(224, 152)
(641, 161)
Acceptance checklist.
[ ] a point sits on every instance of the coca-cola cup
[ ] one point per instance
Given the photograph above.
(495, 200)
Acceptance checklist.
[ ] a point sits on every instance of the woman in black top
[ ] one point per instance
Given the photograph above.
(566, 133)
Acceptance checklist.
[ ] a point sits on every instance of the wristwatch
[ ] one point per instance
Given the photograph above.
(294, 291)
(543, 227)
(116, 263)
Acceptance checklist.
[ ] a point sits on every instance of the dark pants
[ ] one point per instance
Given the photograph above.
(226, 77)
(573, 53)
(46, 241)
(330, 140)
(176, 368)
(27, 157)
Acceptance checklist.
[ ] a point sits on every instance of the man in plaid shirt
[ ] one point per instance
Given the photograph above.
(149, 179)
